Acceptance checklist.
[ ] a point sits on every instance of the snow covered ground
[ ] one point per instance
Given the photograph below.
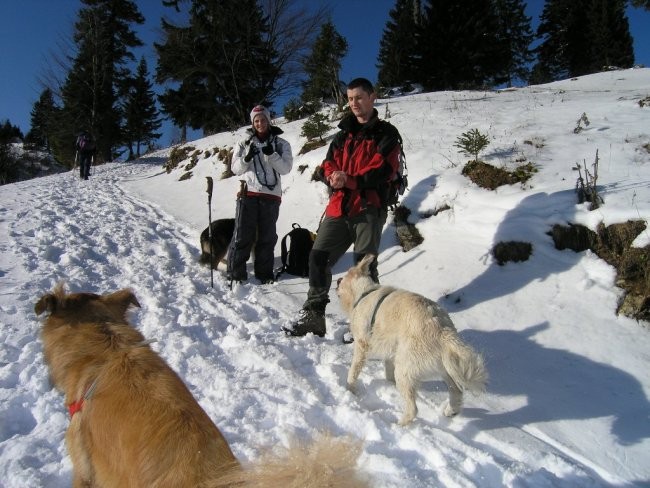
(567, 403)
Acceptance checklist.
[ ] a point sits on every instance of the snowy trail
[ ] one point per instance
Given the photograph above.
(226, 346)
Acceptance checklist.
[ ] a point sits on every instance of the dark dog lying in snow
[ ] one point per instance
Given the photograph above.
(222, 231)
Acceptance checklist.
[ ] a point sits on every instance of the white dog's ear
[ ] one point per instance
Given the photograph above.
(364, 264)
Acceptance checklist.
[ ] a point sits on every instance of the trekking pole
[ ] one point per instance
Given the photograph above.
(209, 190)
(243, 189)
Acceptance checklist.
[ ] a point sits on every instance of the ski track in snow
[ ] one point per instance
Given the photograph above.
(224, 343)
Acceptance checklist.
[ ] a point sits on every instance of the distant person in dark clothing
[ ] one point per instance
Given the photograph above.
(85, 147)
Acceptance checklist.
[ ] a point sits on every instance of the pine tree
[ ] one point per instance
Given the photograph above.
(610, 40)
(221, 62)
(43, 117)
(140, 112)
(324, 65)
(293, 26)
(8, 161)
(517, 35)
(9, 132)
(641, 4)
(460, 46)
(8, 164)
(550, 64)
(581, 37)
(398, 45)
(98, 77)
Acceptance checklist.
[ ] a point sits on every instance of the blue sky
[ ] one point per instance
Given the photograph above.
(31, 30)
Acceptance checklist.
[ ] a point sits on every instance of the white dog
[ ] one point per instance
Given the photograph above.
(415, 337)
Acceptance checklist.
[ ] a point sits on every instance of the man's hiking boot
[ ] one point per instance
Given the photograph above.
(310, 321)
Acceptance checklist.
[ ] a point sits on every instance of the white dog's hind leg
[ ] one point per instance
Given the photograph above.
(407, 387)
(358, 360)
(455, 403)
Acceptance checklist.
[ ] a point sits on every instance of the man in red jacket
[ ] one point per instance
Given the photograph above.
(360, 164)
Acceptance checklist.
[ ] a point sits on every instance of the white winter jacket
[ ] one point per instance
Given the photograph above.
(263, 173)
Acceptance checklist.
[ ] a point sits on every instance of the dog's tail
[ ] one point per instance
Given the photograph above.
(462, 363)
(325, 462)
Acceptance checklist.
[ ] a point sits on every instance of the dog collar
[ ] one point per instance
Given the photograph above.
(76, 406)
(364, 295)
(379, 302)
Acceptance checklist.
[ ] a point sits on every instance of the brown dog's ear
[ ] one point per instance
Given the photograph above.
(51, 301)
(120, 300)
(46, 303)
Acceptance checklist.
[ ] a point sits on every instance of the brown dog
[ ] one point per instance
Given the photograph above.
(133, 421)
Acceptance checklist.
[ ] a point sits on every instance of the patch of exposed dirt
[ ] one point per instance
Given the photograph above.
(407, 234)
(311, 145)
(512, 251)
(613, 244)
(487, 176)
(176, 156)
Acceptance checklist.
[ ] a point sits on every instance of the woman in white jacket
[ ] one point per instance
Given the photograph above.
(262, 158)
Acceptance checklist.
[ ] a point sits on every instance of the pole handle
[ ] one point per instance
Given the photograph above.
(210, 185)
(243, 189)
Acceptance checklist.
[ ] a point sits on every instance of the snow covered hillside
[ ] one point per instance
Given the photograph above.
(568, 398)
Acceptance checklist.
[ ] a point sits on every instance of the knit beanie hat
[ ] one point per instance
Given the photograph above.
(260, 109)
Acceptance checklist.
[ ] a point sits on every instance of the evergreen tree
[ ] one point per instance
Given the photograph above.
(550, 63)
(641, 4)
(140, 112)
(43, 116)
(460, 46)
(609, 34)
(324, 65)
(9, 132)
(8, 164)
(293, 26)
(220, 62)
(517, 35)
(8, 161)
(398, 45)
(98, 77)
(581, 37)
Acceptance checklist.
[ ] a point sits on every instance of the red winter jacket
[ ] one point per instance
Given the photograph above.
(368, 154)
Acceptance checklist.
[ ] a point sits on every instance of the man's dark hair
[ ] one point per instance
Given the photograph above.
(362, 83)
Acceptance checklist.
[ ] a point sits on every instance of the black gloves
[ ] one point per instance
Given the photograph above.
(268, 148)
(251, 153)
